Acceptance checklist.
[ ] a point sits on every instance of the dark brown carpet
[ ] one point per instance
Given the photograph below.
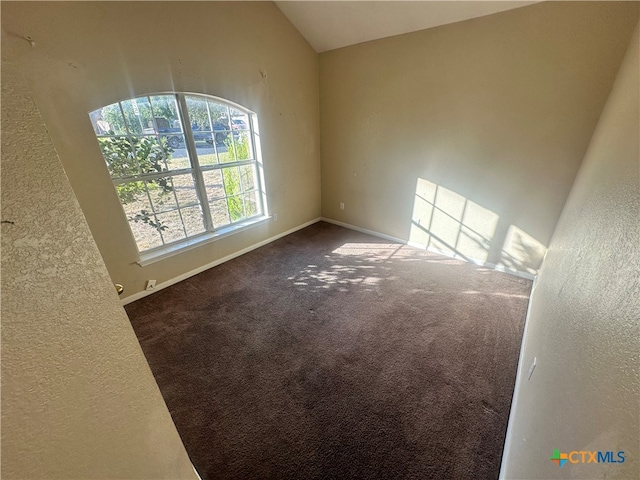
(330, 354)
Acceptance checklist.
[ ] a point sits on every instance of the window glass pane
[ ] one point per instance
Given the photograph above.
(221, 128)
(207, 151)
(146, 236)
(137, 113)
(236, 208)
(185, 190)
(98, 122)
(161, 193)
(143, 107)
(201, 127)
(247, 177)
(221, 137)
(172, 140)
(198, 114)
(219, 213)
(193, 220)
(171, 225)
(165, 115)
(219, 115)
(136, 206)
(231, 177)
(108, 120)
(203, 139)
(120, 155)
(213, 184)
(133, 195)
(242, 142)
(131, 192)
(227, 151)
(178, 156)
(239, 120)
(251, 204)
(151, 155)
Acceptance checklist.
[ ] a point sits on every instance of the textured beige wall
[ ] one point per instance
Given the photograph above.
(90, 54)
(78, 398)
(585, 309)
(468, 136)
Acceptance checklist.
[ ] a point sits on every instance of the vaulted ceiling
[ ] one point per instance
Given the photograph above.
(333, 24)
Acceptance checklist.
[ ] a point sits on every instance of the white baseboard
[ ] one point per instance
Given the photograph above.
(520, 373)
(499, 268)
(196, 471)
(364, 230)
(191, 273)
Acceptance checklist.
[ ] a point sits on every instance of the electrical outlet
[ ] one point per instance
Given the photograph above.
(151, 284)
(341, 205)
(275, 217)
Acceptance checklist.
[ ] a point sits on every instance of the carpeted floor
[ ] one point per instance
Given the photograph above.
(330, 354)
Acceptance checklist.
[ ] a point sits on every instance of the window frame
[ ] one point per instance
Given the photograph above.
(196, 170)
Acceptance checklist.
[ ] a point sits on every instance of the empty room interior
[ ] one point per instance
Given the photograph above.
(320, 240)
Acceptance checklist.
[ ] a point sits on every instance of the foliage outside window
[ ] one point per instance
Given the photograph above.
(183, 165)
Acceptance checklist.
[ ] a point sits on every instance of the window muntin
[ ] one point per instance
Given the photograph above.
(183, 165)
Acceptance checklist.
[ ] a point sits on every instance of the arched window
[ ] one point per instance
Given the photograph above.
(185, 167)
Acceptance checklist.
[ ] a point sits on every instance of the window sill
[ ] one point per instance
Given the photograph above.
(167, 251)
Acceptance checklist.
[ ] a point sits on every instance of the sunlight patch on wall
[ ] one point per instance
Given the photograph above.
(448, 222)
(521, 250)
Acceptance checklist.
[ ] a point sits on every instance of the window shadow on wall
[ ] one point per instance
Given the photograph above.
(447, 222)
